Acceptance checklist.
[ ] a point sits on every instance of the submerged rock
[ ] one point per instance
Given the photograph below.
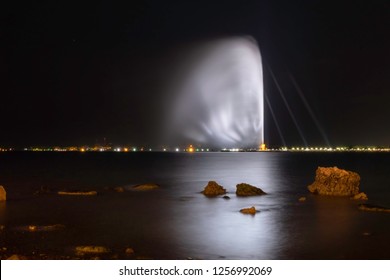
(226, 197)
(77, 193)
(251, 210)
(374, 208)
(119, 189)
(335, 181)
(248, 190)
(81, 250)
(360, 196)
(145, 187)
(3, 194)
(213, 189)
(34, 228)
(17, 257)
(302, 199)
(129, 251)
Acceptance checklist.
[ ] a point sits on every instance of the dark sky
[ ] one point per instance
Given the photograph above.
(74, 73)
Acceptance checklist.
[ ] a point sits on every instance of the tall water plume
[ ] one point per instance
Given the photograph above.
(218, 96)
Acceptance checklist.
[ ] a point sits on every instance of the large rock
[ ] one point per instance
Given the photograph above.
(335, 181)
(213, 189)
(248, 190)
(3, 194)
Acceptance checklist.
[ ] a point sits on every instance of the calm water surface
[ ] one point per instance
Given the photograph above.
(177, 221)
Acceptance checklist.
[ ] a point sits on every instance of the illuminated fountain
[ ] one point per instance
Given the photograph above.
(219, 99)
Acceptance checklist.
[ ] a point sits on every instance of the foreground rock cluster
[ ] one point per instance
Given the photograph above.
(336, 182)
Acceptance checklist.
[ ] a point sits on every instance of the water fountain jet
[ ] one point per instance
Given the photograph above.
(219, 99)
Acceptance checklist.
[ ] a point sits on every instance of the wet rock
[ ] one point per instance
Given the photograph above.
(82, 250)
(335, 181)
(302, 199)
(129, 251)
(33, 228)
(2, 227)
(119, 189)
(3, 194)
(248, 190)
(17, 257)
(91, 193)
(213, 189)
(360, 196)
(226, 197)
(374, 208)
(251, 210)
(145, 187)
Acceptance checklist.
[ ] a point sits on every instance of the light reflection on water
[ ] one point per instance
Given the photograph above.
(177, 221)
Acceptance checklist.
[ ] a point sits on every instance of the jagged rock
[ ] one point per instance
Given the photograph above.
(360, 196)
(376, 208)
(335, 181)
(77, 193)
(251, 210)
(81, 250)
(248, 190)
(129, 251)
(145, 187)
(213, 189)
(302, 199)
(3, 194)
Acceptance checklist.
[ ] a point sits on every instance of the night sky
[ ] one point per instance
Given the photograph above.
(74, 73)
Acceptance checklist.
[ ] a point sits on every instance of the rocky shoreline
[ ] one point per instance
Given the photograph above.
(329, 181)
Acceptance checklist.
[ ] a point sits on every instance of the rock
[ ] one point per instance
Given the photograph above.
(81, 250)
(376, 208)
(145, 187)
(77, 193)
(213, 189)
(42, 228)
(119, 189)
(360, 196)
(302, 199)
(17, 257)
(3, 194)
(248, 190)
(129, 251)
(226, 197)
(251, 210)
(335, 181)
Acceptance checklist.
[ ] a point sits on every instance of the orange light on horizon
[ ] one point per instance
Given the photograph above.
(191, 149)
(263, 147)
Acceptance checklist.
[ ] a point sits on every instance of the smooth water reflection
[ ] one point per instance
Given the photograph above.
(177, 221)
